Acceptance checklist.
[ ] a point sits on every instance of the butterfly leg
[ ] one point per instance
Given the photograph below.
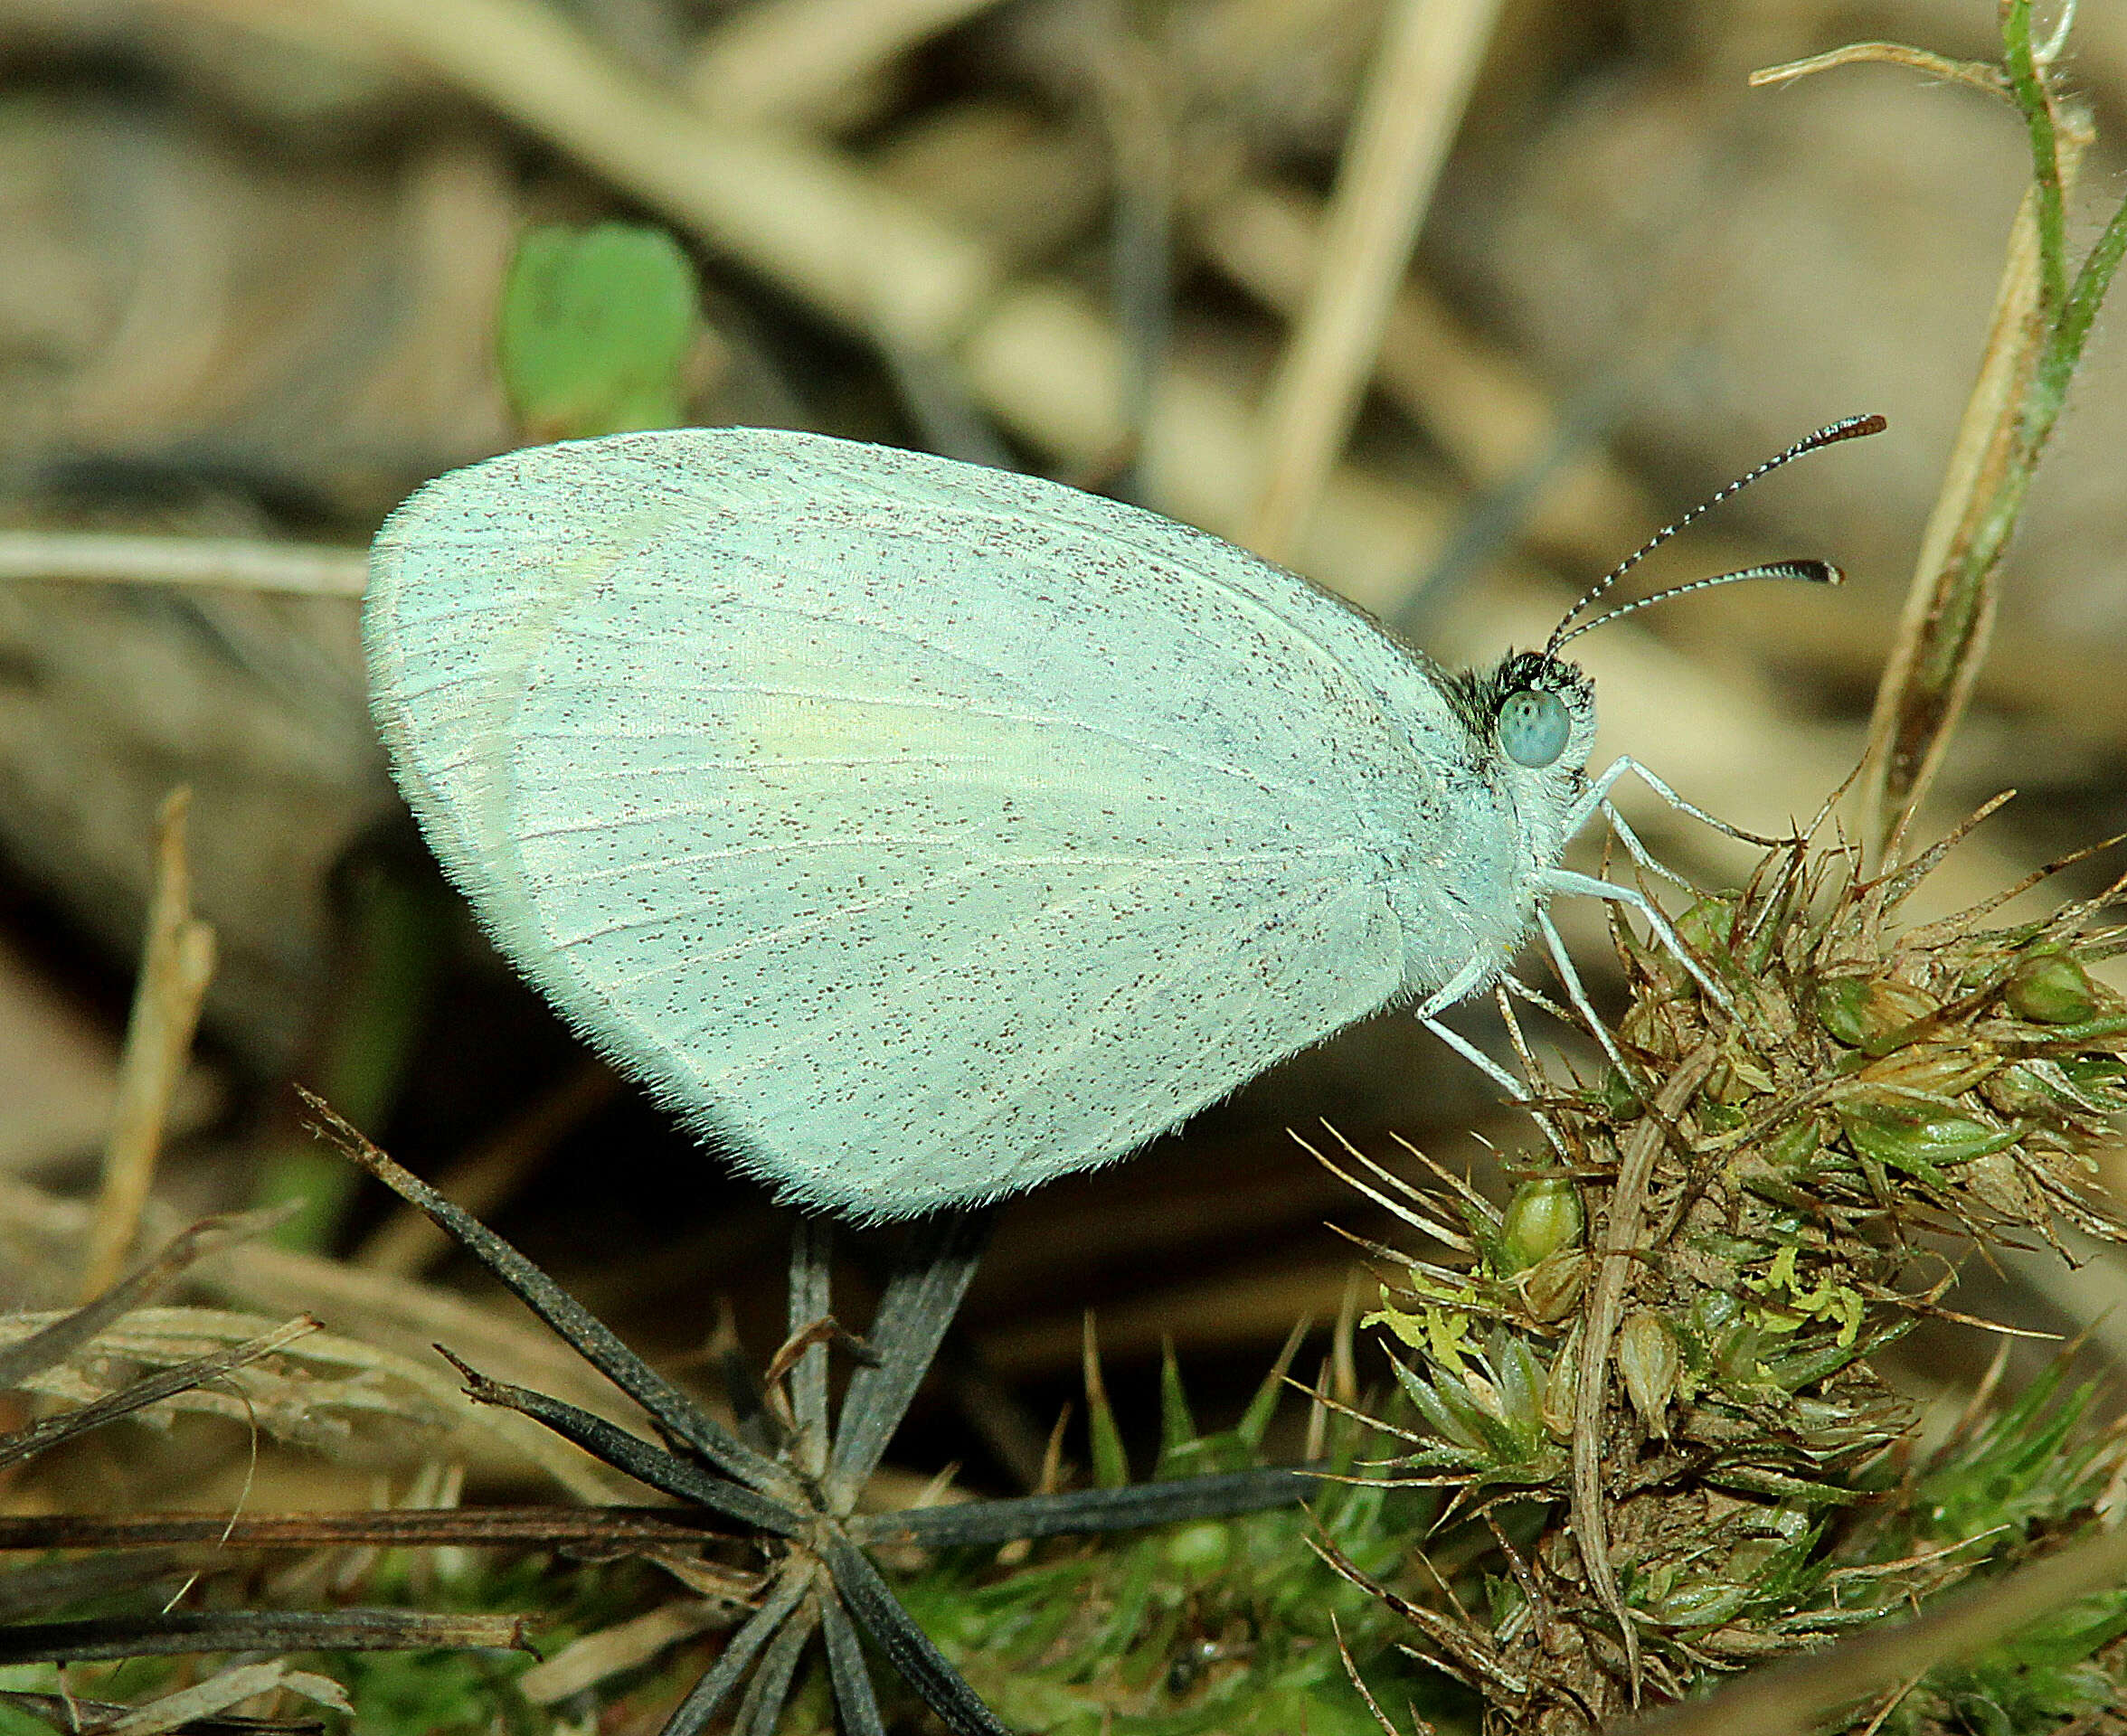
(1460, 986)
(1639, 852)
(1555, 943)
(1464, 983)
(1564, 880)
(1477, 1058)
(1596, 797)
(1515, 1091)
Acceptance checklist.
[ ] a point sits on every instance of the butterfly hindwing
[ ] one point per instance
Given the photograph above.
(928, 831)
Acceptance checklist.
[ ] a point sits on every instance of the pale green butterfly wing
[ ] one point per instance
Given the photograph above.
(464, 581)
(930, 831)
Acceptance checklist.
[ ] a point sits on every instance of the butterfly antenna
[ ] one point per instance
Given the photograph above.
(1851, 428)
(1810, 572)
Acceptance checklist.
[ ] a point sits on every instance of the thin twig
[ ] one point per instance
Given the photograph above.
(258, 1630)
(1979, 74)
(638, 1530)
(1623, 1225)
(231, 564)
(176, 965)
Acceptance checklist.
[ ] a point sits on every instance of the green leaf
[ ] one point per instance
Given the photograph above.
(1255, 1421)
(1921, 1146)
(1111, 1463)
(1177, 1428)
(595, 328)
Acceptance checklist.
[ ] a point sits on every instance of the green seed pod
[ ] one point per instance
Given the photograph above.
(2050, 989)
(1860, 1011)
(1930, 1068)
(1648, 1358)
(1543, 1216)
(1553, 1284)
(1560, 1386)
(1201, 1547)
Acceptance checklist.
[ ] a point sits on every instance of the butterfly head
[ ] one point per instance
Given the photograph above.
(1536, 712)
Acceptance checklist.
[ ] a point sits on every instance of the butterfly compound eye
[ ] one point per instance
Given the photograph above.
(1533, 728)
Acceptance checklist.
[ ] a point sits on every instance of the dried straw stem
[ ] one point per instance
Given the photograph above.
(1413, 105)
(174, 969)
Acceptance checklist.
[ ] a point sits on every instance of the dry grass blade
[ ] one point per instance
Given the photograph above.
(151, 1389)
(226, 1688)
(2042, 315)
(786, 61)
(70, 1713)
(57, 1342)
(626, 1645)
(1950, 605)
(1422, 76)
(176, 965)
(1466, 1658)
(1481, 404)
(1429, 1226)
(787, 207)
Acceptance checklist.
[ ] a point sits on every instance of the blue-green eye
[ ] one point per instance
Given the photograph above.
(1534, 727)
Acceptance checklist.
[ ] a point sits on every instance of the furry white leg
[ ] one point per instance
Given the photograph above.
(1639, 852)
(1597, 794)
(1459, 987)
(1570, 979)
(1477, 1058)
(1516, 1093)
(1473, 976)
(1564, 880)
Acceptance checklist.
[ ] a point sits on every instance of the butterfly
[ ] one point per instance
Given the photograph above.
(919, 832)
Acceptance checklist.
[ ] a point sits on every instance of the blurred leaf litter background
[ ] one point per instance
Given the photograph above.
(254, 270)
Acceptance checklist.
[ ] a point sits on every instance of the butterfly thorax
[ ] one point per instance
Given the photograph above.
(1474, 857)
